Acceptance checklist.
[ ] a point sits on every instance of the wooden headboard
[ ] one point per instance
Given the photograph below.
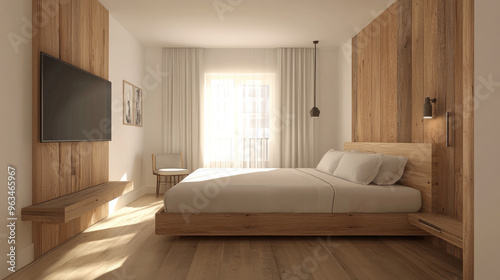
(420, 172)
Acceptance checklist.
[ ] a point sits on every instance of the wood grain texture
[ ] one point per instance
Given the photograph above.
(355, 73)
(427, 61)
(75, 31)
(262, 224)
(384, 258)
(404, 70)
(330, 268)
(206, 262)
(449, 18)
(442, 226)
(365, 86)
(375, 31)
(388, 83)
(289, 260)
(467, 40)
(68, 207)
(124, 246)
(418, 18)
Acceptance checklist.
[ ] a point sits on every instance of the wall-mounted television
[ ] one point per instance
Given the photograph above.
(75, 105)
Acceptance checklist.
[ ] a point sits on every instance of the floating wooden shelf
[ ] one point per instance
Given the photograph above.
(444, 227)
(68, 207)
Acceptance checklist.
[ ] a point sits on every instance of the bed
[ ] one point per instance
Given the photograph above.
(301, 201)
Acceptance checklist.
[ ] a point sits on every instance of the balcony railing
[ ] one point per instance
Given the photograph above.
(239, 153)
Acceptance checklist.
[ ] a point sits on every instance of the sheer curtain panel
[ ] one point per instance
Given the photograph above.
(181, 104)
(238, 108)
(296, 78)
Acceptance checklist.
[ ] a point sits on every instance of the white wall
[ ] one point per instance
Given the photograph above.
(15, 113)
(328, 102)
(487, 137)
(126, 62)
(153, 104)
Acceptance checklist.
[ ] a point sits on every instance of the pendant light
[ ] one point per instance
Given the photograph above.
(315, 111)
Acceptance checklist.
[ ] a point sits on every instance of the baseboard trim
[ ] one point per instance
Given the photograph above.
(122, 201)
(24, 257)
(150, 189)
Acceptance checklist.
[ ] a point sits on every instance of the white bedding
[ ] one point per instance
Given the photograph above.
(284, 190)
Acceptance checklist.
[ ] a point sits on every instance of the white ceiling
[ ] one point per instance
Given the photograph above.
(244, 23)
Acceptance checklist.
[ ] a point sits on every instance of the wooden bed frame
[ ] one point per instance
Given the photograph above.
(420, 173)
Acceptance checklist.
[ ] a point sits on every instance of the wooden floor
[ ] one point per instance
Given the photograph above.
(124, 246)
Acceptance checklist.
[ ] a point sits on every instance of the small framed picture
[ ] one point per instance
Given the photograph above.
(137, 106)
(128, 103)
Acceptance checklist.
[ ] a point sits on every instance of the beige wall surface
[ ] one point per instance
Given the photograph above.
(153, 103)
(15, 113)
(487, 139)
(328, 102)
(126, 62)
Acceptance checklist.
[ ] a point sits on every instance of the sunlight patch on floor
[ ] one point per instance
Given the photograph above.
(87, 271)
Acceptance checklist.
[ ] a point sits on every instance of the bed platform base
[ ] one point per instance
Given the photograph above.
(420, 173)
(284, 224)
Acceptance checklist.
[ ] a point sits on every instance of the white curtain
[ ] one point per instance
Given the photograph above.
(296, 78)
(181, 104)
(238, 108)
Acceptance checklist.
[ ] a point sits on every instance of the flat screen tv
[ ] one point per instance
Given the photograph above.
(75, 105)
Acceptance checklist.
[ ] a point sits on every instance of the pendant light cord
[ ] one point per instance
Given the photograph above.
(315, 44)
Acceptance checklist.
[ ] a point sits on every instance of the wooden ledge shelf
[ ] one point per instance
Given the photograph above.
(68, 207)
(444, 227)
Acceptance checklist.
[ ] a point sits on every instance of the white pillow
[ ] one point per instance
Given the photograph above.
(391, 170)
(330, 161)
(359, 168)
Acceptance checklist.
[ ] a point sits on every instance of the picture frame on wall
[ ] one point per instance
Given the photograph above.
(138, 117)
(128, 103)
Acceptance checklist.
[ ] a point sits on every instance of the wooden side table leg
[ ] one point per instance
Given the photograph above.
(158, 185)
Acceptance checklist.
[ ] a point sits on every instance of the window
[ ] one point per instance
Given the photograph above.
(237, 120)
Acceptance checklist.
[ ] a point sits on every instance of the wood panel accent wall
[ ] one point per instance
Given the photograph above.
(76, 31)
(411, 51)
(465, 84)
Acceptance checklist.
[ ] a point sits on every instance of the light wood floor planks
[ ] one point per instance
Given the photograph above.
(124, 246)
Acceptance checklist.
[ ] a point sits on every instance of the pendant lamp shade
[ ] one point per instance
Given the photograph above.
(315, 110)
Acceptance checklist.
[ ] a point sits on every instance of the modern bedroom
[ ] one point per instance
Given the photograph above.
(236, 139)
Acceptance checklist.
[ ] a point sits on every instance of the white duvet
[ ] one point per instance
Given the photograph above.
(284, 190)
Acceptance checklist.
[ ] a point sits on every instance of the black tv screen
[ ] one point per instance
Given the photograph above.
(75, 104)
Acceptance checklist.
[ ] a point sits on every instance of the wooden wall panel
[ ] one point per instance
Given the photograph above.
(466, 31)
(404, 73)
(365, 86)
(417, 71)
(418, 55)
(375, 80)
(65, 169)
(355, 73)
(449, 29)
(388, 83)
(75, 31)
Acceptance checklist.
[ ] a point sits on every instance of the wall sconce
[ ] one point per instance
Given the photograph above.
(428, 107)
